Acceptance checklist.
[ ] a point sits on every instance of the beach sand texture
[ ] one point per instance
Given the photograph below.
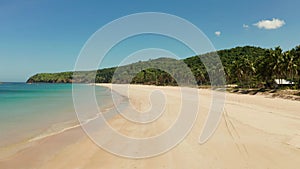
(255, 132)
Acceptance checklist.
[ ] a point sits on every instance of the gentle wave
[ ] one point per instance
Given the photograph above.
(63, 127)
(45, 135)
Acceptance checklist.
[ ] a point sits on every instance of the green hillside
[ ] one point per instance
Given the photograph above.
(245, 66)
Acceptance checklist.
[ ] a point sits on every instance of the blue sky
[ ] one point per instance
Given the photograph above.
(47, 35)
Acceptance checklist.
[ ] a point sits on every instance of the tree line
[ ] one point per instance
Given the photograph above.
(247, 67)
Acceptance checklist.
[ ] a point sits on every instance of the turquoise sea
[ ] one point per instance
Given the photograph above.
(33, 111)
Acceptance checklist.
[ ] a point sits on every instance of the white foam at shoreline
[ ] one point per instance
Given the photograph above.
(52, 134)
(48, 134)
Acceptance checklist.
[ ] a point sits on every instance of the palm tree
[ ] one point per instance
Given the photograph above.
(295, 65)
(265, 65)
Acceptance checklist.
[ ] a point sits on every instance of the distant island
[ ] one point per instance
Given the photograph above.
(246, 67)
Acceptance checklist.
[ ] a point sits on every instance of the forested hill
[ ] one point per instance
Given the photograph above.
(245, 66)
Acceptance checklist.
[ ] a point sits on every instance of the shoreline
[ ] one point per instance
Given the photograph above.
(254, 131)
(15, 148)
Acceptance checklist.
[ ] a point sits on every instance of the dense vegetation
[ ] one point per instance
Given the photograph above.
(245, 66)
(64, 77)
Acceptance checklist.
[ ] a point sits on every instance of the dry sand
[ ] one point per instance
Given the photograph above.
(254, 132)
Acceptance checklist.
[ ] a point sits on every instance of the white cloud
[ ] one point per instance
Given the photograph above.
(270, 24)
(245, 26)
(217, 33)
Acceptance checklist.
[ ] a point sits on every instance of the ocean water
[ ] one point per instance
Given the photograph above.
(33, 111)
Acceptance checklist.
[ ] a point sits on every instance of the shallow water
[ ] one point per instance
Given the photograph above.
(33, 111)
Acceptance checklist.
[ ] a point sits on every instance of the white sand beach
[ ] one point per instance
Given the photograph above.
(255, 132)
